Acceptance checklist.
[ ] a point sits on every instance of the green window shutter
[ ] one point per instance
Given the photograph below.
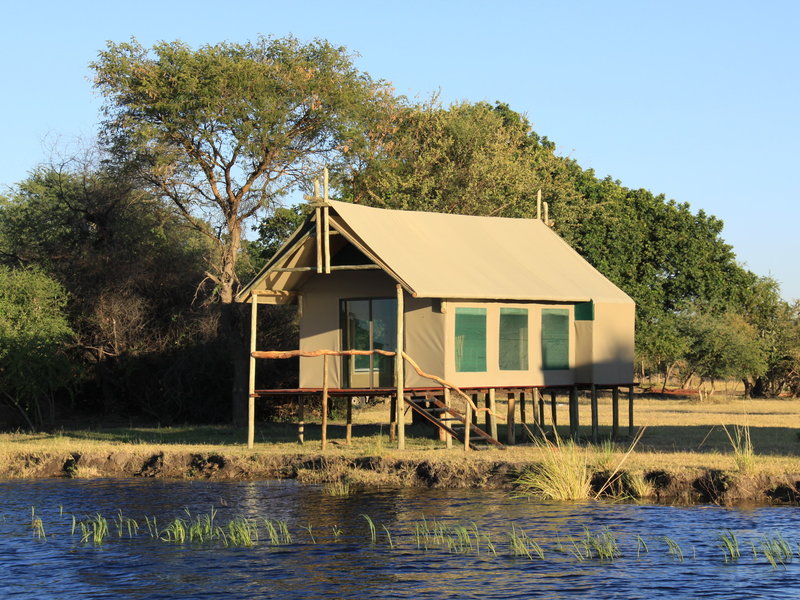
(470, 339)
(584, 311)
(513, 339)
(555, 338)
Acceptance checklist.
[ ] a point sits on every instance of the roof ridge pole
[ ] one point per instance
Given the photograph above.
(326, 229)
(539, 204)
(318, 226)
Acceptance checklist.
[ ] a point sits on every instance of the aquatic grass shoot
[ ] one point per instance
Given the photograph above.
(372, 532)
(37, 526)
(729, 544)
(673, 548)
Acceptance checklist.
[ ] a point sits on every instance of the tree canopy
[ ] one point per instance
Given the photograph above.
(225, 130)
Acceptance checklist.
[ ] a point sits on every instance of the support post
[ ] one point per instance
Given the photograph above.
(522, 418)
(541, 407)
(477, 402)
(511, 434)
(595, 417)
(324, 401)
(447, 437)
(251, 384)
(491, 416)
(553, 410)
(393, 418)
(630, 411)
(574, 416)
(349, 425)
(399, 372)
(615, 412)
(301, 420)
(467, 426)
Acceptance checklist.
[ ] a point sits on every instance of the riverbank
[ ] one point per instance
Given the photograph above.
(684, 456)
(482, 469)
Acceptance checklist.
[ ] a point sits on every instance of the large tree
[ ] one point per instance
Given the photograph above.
(224, 131)
(468, 158)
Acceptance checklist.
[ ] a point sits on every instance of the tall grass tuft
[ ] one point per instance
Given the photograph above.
(563, 474)
(339, 488)
(743, 453)
(729, 544)
(776, 549)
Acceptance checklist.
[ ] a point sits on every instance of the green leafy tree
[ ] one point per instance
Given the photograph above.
(224, 131)
(131, 269)
(723, 346)
(467, 159)
(34, 335)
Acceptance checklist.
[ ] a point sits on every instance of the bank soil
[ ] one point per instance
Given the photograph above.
(693, 486)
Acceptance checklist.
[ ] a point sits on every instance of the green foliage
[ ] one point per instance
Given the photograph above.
(34, 334)
(722, 346)
(468, 159)
(225, 130)
(134, 274)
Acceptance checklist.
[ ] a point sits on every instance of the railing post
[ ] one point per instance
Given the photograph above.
(399, 372)
(467, 426)
(447, 436)
(251, 384)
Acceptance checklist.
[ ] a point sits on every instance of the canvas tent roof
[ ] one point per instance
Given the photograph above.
(437, 255)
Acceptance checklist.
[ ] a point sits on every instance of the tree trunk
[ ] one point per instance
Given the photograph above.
(748, 387)
(759, 388)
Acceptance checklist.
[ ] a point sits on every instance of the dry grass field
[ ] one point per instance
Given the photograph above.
(681, 434)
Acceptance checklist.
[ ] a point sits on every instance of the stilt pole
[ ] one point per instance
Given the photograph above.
(251, 384)
(399, 372)
(630, 411)
(574, 415)
(491, 416)
(615, 412)
(511, 433)
(324, 401)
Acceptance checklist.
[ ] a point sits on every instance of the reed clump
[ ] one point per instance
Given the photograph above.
(563, 474)
(742, 444)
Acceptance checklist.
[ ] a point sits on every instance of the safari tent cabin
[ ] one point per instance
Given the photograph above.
(487, 302)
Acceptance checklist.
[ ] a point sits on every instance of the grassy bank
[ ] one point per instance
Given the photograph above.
(683, 438)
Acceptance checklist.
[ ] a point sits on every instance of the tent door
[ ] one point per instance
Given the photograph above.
(369, 324)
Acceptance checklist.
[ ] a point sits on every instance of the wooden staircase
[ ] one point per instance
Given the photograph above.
(449, 419)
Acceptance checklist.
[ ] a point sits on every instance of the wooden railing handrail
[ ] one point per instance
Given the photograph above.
(411, 361)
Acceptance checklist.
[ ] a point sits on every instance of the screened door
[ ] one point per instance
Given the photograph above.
(369, 324)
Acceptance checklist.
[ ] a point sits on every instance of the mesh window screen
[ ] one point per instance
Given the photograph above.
(470, 339)
(555, 338)
(513, 339)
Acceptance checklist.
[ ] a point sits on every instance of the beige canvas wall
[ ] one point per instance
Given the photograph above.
(320, 325)
(494, 377)
(613, 343)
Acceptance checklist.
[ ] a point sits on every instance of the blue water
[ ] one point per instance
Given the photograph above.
(349, 565)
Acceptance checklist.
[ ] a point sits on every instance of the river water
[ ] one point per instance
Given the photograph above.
(662, 551)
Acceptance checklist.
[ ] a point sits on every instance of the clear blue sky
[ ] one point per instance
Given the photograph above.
(696, 100)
